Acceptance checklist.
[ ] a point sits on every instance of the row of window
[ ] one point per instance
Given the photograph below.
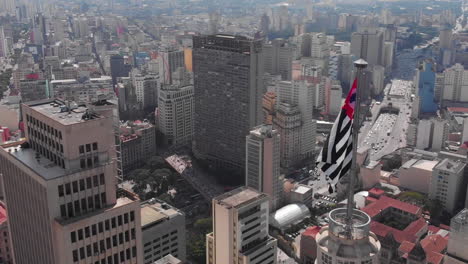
(81, 148)
(34, 134)
(45, 127)
(76, 208)
(120, 257)
(81, 185)
(47, 153)
(166, 236)
(89, 162)
(106, 225)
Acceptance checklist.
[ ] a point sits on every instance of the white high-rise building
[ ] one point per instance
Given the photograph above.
(455, 84)
(319, 47)
(336, 245)
(240, 229)
(175, 113)
(169, 60)
(457, 248)
(277, 58)
(465, 130)
(262, 168)
(439, 134)
(368, 45)
(288, 123)
(301, 94)
(335, 99)
(446, 183)
(146, 89)
(423, 138)
(432, 134)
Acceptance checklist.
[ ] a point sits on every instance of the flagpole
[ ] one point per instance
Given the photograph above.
(360, 65)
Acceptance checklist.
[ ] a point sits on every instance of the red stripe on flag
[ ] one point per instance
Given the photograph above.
(350, 101)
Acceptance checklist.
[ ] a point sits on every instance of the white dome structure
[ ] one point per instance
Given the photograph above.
(288, 215)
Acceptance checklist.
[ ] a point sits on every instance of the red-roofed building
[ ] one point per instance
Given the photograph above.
(376, 193)
(398, 225)
(5, 245)
(308, 249)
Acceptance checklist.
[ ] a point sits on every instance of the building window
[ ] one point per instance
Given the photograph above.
(82, 163)
(67, 188)
(95, 147)
(88, 147)
(132, 216)
(73, 236)
(60, 190)
(75, 186)
(63, 211)
(70, 210)
(82, 253)
(95, 181)
(75, 255)
(107, 225)
(88, 183)
(86, 230)
(81, 148)
(102, 180)
(83, 205)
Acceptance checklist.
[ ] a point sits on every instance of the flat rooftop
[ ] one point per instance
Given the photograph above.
(60, 112)
(155, 211)
(44, 167)
(399, 88)
(239, 196)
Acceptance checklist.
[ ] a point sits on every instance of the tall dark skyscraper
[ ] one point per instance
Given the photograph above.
(228, 88)
(118, 68)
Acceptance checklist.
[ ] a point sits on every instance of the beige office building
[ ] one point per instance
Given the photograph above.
(240, 229)
(262, 168)
(60, 190)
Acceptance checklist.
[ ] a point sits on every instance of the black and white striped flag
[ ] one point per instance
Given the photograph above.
(336, 157)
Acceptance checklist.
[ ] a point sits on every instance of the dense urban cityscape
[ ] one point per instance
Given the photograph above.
(221, 132)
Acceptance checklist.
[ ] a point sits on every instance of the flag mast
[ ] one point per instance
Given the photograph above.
(360, 65)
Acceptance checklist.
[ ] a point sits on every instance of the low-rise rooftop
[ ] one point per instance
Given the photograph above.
(154, 211)
(239, 196)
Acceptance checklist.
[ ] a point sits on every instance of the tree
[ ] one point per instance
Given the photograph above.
(156, 162)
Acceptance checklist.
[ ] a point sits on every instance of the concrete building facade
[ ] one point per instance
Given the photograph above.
(163, 231)
(446, 183)
(262, 168)
(228, 90)
(66, 178)
(240, 229)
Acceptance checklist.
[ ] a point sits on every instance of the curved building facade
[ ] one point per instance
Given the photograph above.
(337, 244)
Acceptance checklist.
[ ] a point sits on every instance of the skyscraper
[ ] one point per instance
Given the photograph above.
(175, 113)
(169, 60)
(228, 89)
(118, 68)
(60, 190)
(240, 229)
(368, 45)
(454, 85)
(262, 171)
(278, 56)
(425, 80)
(457, 248)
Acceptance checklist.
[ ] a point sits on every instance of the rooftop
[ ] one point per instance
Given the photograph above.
(302, 189)
(458, 109)
(449, 165)
(420, 164)
(168, 259)
(239, 196)
(154, 211)
(43, 167)
(61, 112)
(385, 202)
